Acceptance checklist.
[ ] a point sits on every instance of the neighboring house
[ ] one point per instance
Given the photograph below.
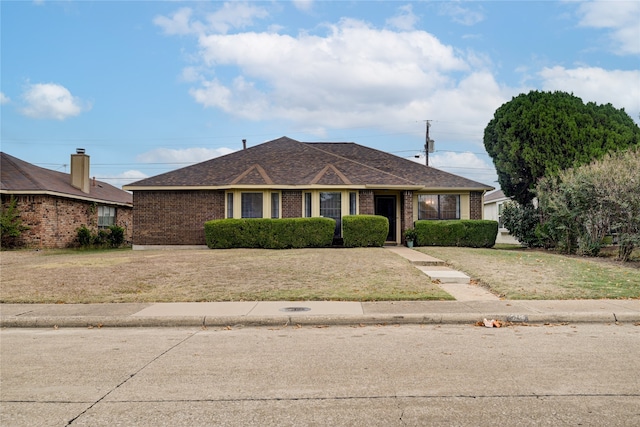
(493, 207)
(54, 204)
(285, 178)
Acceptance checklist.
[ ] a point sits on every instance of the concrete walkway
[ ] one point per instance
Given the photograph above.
(473, 303)
(455, 283)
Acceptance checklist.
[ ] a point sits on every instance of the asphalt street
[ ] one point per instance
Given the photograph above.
(394, 375)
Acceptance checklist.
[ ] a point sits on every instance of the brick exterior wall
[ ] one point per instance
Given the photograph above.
(475, 205)
(291, 204)
(366, 205)
(53, 221)
(174, 217)
(406, 207)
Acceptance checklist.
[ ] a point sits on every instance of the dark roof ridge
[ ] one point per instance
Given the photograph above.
(356, 162)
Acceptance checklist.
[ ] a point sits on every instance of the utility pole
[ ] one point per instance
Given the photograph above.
(428, 143)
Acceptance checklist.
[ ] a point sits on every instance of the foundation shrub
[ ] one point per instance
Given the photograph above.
(465, 233)
(364, 230)
(268, 233)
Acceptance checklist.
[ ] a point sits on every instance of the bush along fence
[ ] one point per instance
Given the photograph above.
(364, 230)
(269, 233)
(467, 233)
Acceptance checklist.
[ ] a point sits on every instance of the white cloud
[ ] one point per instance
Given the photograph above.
(51, 101)
(4, 99)
(592, 84)
(125, 178)
(405, 20)
(188, 155)
(468, 165)
(461, 15)
(622, 18)
(230, 16)
(355, 75)
(304, 5)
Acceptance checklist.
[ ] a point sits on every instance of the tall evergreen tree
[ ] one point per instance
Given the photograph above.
(541, 133)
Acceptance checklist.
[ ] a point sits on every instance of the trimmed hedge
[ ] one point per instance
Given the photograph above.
(364, 230)
(466, 232)
(268, 233)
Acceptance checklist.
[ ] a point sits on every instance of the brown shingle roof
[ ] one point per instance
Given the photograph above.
(18, 177)
(285, 161)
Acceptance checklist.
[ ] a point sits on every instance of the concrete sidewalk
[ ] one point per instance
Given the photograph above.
(473, 303)
(210, 314)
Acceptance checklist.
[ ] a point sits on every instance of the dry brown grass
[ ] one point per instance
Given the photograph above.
(538, 274)
(362, 274)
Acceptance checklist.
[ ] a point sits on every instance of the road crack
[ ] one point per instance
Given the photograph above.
(71, 421)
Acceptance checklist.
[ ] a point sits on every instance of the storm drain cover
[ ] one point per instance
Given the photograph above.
(293, 309)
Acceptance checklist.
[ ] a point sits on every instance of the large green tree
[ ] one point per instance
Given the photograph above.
(541, 133)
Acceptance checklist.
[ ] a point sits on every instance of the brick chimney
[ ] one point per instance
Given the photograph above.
(80, 171)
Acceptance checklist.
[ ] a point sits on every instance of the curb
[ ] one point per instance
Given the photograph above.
(318, 320)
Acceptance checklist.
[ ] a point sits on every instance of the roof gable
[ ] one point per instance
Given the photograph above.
(20, 177)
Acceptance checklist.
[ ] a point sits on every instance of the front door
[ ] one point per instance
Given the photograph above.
(386, 207)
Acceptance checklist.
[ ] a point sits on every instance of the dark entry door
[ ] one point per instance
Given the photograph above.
(386, 206)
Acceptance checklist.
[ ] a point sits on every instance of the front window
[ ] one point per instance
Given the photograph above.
(439, 206)
(229, 205)
(275, 205)
(307, 205)
(352, 203)
(331, 207)
(252, 205)
(500, 217)
(106, 216)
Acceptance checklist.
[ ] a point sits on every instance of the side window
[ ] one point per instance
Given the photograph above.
(106, 216)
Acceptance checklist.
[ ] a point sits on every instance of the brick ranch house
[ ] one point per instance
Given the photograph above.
(285, 178)
(54, 204)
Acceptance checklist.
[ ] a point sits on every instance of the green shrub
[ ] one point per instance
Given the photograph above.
(467, 233)
(364, 230)
(116, 236)
(112, 237)
(11, 226)
(85, 237)
(269, 233)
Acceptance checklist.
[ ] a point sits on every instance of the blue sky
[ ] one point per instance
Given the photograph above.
(150, 86)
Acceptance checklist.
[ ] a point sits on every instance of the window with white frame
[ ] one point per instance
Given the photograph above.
(106, 216)
(251, 205)
(438, 206)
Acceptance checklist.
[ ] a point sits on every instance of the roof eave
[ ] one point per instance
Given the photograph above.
(67, 196)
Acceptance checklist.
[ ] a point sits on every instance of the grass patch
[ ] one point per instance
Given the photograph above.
(516, 273)
(103, 276)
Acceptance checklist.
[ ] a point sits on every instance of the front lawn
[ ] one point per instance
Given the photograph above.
(536, 274)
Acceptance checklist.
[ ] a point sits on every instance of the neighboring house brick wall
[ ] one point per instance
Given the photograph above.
(292, 204)
(54, 221)
(475, 205)
(174, 217)
(366, 205)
